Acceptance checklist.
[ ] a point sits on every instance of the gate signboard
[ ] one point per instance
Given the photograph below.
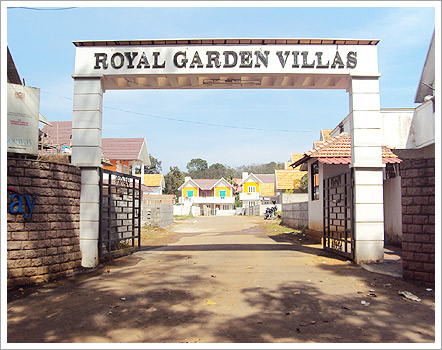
(23, 112)
(347, 64)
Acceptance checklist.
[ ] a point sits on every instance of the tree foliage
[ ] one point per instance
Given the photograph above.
(172, 180)
(304, 183)
(218, 170)
(154, 167)
(266, 168)
(196, 168)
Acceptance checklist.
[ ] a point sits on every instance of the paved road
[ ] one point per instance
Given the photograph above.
(223, 279)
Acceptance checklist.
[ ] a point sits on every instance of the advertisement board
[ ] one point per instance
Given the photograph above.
(23, 112)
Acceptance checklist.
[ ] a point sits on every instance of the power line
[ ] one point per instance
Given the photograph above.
(44, 8)
(190, 121)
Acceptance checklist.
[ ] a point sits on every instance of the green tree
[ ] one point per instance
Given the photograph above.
(304, 183)
(217, 171)
(266, 168)
(154, 167)
(172, 180)
(197, 167)
(238, 203)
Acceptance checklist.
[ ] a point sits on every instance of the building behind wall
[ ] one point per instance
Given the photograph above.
(408, 186)
(418, 182)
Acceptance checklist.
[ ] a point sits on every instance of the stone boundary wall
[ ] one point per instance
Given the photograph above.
(252, 211)
(295, 214)
(46, 245)
(418, 219)
(157, 215)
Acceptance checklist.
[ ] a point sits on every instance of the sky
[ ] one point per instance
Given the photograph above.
(40, 40)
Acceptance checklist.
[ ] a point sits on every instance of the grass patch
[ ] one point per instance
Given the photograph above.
(182, 217)
(148, 232)
(275, 227)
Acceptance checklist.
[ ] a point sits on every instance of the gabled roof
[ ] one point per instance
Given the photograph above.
(261, 178)
(293, 158)
(337, 150)
(317, 143)
(186, 183)
(249, 177)
(223, 182)
(122, 148)
(288, 179)
(325, 134)
(13, 76)
(206, 184)
(426, 81)
(153, 180)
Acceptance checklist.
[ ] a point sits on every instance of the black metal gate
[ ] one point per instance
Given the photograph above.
(120, 213)
(338, 231)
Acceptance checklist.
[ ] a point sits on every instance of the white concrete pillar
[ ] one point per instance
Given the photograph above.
(86, 153)
(366, 142)
(142, 173)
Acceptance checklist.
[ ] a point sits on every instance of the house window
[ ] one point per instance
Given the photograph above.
(226, 207)
(315, 181)
(222, 194)
(189, 193)
(251, 189)
(125, 169)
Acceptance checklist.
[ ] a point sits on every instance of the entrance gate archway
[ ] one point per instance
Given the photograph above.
(238, 64)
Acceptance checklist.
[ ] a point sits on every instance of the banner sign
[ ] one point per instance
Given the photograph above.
(328, 59)
(23, 113)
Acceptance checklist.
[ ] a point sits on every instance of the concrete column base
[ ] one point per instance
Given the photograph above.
(369, 251)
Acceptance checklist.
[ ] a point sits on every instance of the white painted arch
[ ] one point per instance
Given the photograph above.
(349, 64)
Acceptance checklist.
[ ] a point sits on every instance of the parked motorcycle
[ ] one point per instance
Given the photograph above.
(270, 213)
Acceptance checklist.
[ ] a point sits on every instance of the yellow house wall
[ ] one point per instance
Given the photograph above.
(247, 184)
(194, 189)
(227, 189)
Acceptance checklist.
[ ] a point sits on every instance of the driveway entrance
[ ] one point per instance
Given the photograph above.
(223, 279)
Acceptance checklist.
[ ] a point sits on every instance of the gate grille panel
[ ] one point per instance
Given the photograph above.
(338, 233)
(120, 213)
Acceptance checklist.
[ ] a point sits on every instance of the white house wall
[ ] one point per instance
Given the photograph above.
(422, 126)
(396, 127)
(156, 190)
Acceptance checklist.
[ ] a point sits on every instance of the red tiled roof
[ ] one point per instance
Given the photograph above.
(338, 146)
(122, 148)
(337, 150)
